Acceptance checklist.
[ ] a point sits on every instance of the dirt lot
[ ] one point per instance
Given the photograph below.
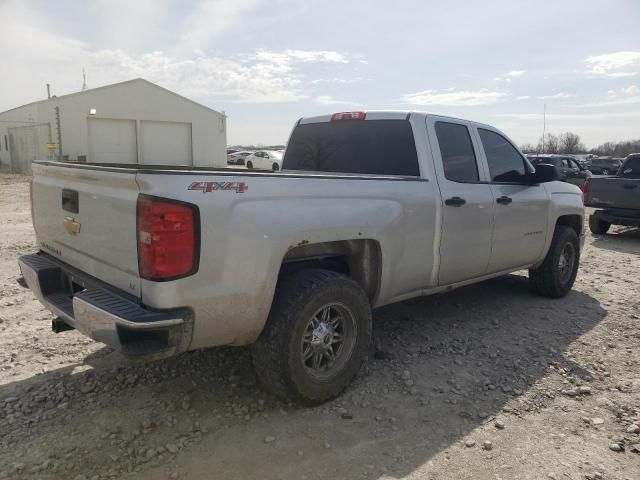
(487, 382)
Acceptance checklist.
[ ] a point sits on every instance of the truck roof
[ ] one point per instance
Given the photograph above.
(380, 115)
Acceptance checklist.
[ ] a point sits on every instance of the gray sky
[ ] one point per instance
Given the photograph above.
(267, 63)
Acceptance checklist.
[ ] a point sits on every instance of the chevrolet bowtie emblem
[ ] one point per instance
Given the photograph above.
(71, 226)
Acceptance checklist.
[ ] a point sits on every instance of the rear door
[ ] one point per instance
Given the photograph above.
(86, 217)
(468, 205)
(522, 210)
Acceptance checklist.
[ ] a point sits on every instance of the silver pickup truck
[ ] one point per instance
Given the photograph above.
(370, 208)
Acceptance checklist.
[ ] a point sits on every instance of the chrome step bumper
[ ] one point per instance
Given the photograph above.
(104, 313)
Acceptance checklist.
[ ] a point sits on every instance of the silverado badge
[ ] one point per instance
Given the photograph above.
(71, 226)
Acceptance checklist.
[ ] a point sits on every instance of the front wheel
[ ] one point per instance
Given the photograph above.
(316, 337)
(605, 171)
(598, 226)
(555, 277)
(249, 164)
(275, 167)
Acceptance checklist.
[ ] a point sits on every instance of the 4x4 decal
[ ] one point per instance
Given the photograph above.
(206, 187)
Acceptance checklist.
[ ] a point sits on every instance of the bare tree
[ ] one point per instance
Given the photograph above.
(527, 148)
(569, 142)
(617, 149)
(548, 144)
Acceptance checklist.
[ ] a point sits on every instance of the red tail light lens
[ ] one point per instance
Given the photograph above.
(585, 192)
(168, 238)
(348, 116)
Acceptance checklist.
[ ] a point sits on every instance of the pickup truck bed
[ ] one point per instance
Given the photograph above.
(617, 198)
(370, 208)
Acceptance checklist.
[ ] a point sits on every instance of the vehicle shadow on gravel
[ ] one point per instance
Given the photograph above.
(620, 239)
(441, 367)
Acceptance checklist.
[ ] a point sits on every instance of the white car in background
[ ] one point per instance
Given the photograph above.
(264, 160)
(237, 158)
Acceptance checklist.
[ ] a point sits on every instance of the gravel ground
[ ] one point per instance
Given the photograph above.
(487, 382)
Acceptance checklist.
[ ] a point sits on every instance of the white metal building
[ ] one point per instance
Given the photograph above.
(129, 122)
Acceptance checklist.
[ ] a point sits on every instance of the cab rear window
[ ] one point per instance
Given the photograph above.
(369, 147)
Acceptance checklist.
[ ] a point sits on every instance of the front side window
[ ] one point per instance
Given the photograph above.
(456, 149)
(506, 165)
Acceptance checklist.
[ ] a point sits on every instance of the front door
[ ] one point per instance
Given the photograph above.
(522, 210)
(467, 201)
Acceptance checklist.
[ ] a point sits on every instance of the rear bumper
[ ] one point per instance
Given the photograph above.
(625, 217)
(103, 313)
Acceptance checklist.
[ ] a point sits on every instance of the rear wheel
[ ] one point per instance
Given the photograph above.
(555, 277)
(316, 337)
(605, 171)
(275, 167)
(598, 226)
(249, 164)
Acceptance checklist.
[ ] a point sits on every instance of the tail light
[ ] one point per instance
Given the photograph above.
(348, 116)
(168, 238)
(585, 191)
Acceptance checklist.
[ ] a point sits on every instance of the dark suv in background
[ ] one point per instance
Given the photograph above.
(604, 166)
(570, 169)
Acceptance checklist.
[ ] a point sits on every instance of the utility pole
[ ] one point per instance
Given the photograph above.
(48, 91)
(84, 81)
(59, 130)
(544, 125)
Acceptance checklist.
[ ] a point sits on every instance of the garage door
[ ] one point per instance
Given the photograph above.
(27, 144)
(112, 141)
(165, 143)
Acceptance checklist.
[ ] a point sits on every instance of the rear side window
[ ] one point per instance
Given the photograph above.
(631, 168)
(506, 165)
(370, 147)
(456, 149)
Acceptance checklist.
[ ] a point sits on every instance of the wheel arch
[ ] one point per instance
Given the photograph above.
(360, 259)
(573, 221)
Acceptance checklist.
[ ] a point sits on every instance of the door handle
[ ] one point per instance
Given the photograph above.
(455, 201)
(504, 200)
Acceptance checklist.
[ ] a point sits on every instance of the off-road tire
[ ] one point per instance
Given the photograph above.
(598, 226)
(546, 279)
(276, 355)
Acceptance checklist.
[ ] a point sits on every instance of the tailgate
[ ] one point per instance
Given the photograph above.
(87, 219)
(615, 192)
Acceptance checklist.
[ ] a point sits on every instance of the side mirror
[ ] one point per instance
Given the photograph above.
(545, 173)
